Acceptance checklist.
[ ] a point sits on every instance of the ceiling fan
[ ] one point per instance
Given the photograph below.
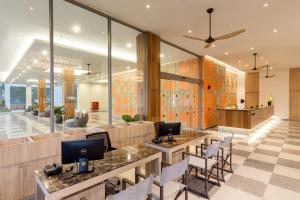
(255, 68)
(268, 75)
(211, 39)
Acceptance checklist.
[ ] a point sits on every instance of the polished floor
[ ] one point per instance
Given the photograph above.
(266, 165)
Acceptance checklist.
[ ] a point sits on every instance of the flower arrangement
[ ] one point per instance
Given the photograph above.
(269, 99)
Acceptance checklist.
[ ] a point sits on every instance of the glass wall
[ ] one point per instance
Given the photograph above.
(24, 46)
(127, 76)
(80, 64)
(179, 86)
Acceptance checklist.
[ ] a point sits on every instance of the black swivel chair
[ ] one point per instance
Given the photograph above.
(113, 184)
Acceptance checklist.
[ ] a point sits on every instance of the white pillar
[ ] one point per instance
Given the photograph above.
(7, 95)
(28, 96)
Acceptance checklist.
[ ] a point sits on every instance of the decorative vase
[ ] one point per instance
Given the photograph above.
(269, 103)
(58, 120)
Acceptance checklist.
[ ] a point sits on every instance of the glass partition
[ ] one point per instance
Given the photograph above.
(80, 66)
(179, 96)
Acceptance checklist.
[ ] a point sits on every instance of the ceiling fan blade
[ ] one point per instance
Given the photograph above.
(271, 76)
(264, 66)
(193, 38)
(229, 35)
(207, 45)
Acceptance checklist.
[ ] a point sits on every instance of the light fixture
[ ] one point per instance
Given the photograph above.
(128, 67)
(266, 5)
(76, 28)
(23, 71)
(148, 6)
(128, 45)
(275, 30)
(44, 52)
(162, 55)
(103, 32)
(252, 48)
(77, 72)
(213, 45)
(35, 61)
(19, 74)
(31, 8)
(226, 53)
(239, 61)
(266, 62)
(189, 31)
(261, 58)
(271, 68)
(28, 67)
(79, 67)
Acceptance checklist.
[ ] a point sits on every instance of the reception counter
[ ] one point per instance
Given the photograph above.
(244, 118)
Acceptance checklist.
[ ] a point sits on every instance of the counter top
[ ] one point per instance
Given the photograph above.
(184, 137)
(244, 109)
(112, 160)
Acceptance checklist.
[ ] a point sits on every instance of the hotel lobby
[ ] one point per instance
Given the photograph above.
(143, 99)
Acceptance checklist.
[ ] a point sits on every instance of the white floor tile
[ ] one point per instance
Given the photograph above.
(253, 173)
(278, 193)
(287, 171)
(229, 193)
(264, 158)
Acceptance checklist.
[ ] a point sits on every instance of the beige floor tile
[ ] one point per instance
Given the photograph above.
(290, 146)
(293, 139)
(278, 193)
(228, 193)
(243, 147)
(287, 171)
(238, 159)
(264, 158)
(256, 174)
(274, 140)
(268, 147)
(289, 156)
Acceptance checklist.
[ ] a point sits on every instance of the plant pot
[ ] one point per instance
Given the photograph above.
(269, 103)
(35, 113)
(58, 119)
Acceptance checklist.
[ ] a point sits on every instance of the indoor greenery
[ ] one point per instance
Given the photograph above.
(128, 118)
(58, 112)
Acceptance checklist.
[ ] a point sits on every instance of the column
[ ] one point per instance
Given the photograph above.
(41, 95)
(7, 95)
(28, 96)
(68, 93)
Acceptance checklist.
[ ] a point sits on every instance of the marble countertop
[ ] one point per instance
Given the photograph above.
(243, 109)
(184, 137)
(112, 160)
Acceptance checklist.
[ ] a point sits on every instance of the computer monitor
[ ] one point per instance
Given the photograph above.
(170, 128)
(73, 151)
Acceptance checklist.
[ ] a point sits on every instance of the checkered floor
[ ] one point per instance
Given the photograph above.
(267, 169)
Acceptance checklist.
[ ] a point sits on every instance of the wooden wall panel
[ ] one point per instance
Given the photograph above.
(41, 95)
(68, 93)
(295, 94)
(252, 89)
(153, 77)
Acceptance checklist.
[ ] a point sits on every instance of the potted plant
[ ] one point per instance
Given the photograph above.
(58, 112)
(128, 118)
(35, 111)
(269, 99)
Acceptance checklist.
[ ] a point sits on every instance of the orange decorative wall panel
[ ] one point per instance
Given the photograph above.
(218, 90)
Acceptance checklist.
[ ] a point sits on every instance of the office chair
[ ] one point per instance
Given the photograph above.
(114, 182)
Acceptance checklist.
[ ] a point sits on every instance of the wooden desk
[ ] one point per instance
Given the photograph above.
(113, 164)
(244, 118)
(172, 152)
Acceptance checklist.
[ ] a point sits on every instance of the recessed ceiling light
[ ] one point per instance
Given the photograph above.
(239, 61)
(213, 45)
(266, 62)
(103, 32)
(44, 52)
(23, 71)
(128, 67)
(261, 58)
(35, 61)
(28, 67)
(31, 8)
(79, 67)
(252, 48)
(162, 55)
(189, 31)
(19, 74)
(148, 6)
(226, 53)
(246, 65)
(266, 5)
(275, 30)
(128, 45)
(271, 68)
(76, 29)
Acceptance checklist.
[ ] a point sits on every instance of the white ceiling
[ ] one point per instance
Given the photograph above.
(172, 18)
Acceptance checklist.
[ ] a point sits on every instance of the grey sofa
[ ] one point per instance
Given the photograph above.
(80, 120)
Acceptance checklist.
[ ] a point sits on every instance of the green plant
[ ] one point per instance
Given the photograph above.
(269, 98)
(5, 110)
(58, 111)
(129, 118)
(35, 107)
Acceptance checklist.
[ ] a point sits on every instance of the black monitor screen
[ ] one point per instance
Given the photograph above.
(166, 129)
(72, 151)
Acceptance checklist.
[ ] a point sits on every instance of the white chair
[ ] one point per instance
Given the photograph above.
(206, 163)
(140, 191)
(169, 187)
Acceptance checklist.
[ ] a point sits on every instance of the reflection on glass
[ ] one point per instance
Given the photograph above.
(127, 76)
(80, 66)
